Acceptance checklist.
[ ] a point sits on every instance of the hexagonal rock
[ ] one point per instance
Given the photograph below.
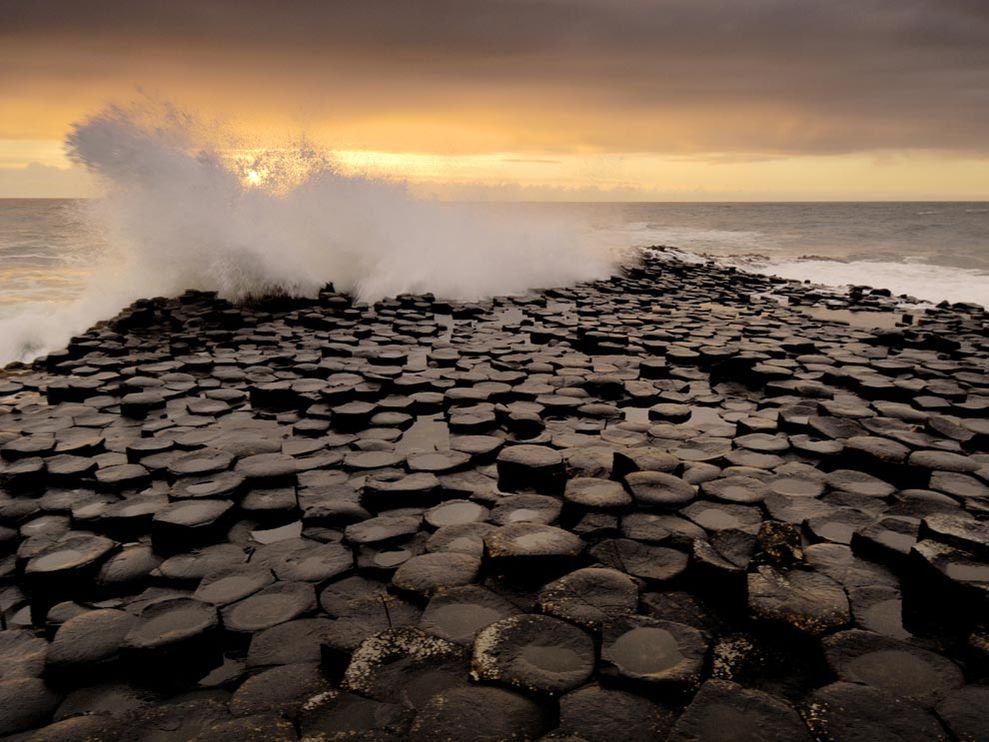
(254, 728)
(536, 654)
(303, 560)
(368, 460)
(590, 597)
(593, 712)
(266, 469)
(959, 485)
(88, 642)
(809, 602)
(653, 563)
(642, 459)
(200, 463)
(861, 713)
(282, 689)
(648, 651)
(713, 516)
(465, 538)
(22, 654)
(457, 614)
(404, 661)
(88, 727)
(278, 603)
(173, 635)
(530, 467)
(189, 523)
(526, 508)
(455, 512)
(359, 618)
(763, 443)
(289, 643)
(653, 489)
(122, 477)
(531, 548)
(59, 567)
(962, 533)
(912, 673)
(229, 586)
(750, 715)
(943, 461)
(859, 483)
(947, 583)
(437, 462)
(966, 712)
(454, 713)
(185, 718)
(421, 488)
(222, 485)
(424, 574)
(382, 529)
(335, 715)
(670, 412)
(481, 448)
(137, 405)
(876, 450)
(596, 494)
(735, 489)
(25, 703)
(186, 570)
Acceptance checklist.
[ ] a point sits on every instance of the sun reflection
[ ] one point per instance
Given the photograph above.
(253, 177)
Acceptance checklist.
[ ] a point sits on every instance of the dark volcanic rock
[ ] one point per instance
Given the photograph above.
(25, 703)
(590, 597)
(536, 654)
(912, 673)
(459, 613)
(313, 518)
(806, 601)
(281, 690)
(450, 713)
(653, 563)
(278, 603)
(750, 715)
(173, 637)
(424, 574)
(860, 713)
(653, 489)
(89, 642)
(531, 548)
(593, 712)
(404, 662)
(650, 652)
(531, 468)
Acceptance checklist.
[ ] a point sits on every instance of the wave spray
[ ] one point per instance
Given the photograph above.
(179, 211)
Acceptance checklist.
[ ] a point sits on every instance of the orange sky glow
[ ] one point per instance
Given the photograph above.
(531, 99)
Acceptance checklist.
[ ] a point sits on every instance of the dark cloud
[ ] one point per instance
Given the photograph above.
(730, 75)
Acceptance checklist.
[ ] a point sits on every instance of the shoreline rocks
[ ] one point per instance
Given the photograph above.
(648, 507)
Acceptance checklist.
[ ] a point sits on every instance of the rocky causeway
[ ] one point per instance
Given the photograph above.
(686, 503)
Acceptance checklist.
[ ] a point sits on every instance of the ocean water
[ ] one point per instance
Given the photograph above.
(60, 266)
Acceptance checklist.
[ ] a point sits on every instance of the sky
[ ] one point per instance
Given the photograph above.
(661, 100)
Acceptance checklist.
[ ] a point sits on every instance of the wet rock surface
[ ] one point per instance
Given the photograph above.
(683, 504)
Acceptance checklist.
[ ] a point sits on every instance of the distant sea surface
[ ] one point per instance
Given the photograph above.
(932, 251)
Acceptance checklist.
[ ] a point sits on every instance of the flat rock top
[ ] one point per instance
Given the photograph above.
(644, 507)
(530, 456)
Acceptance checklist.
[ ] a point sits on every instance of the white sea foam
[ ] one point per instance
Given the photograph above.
(181, 212)
(924, 281)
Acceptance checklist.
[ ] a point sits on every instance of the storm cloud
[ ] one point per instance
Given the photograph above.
(676, 76)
